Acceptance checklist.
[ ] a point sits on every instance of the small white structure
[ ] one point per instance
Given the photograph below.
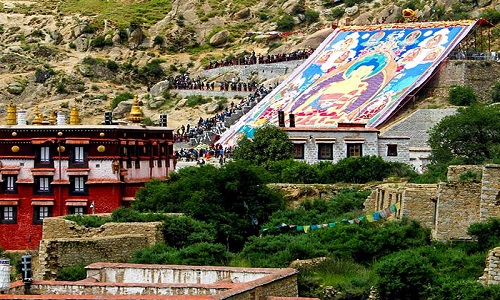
(4, 275)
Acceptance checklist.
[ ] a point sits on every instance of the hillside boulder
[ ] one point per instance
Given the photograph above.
(219, 38)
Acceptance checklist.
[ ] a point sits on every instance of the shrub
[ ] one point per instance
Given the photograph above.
(195, 100)
(112, 65)
(486, 234)
(461, 96)
(119, 98)
(88, 220)
(337, 12)
(404, 275)
(182, 231)
(73, 273)
(158, 40)
(495, 93)
(285, 23)
(100, 41)
(311, 16)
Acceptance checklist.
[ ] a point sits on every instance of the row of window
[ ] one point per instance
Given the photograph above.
(43, 185)
(325, 150)
(77, 155)
(8, 214)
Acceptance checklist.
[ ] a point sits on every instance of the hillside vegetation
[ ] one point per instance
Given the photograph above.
(57, 53)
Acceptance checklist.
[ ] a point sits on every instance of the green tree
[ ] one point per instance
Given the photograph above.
(269, 144)
(471, 136)
(462, 96)
(233, 199)
(495, 93)
(404, 275)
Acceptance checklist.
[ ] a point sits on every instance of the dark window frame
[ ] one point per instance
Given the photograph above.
(392, 150)
(46, 163)
(298, 151)
(2, 214)
(321, 151)
(5, 184)
(73, 163)
(37, 185)
(72, 186)
(72, 210)
(37, 209)
(352, 146)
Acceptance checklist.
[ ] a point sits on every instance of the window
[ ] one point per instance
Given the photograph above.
(79, 155)
(8, 214)
(77, 184)
(392, 150)
(77, 210)
(9, 184)
(354, 150)
(43, 157)
(44, 154)
(40, 213)
(325, 151)
(42, 185)
(298, 152)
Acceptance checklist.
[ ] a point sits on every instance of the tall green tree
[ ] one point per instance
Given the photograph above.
(471, 136)
(269, 144)
(233, 199)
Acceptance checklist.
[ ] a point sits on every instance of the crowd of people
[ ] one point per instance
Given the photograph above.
(185, 82)
(260, 59)
(212, 125)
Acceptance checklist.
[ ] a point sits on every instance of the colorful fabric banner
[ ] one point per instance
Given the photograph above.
(378, 215)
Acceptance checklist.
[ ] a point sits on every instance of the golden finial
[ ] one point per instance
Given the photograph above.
(52, 117)
(135, 115)
(37, 120)
(11, 114)
(74, 119)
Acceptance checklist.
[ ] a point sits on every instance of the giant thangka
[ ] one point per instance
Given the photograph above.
(358, 74)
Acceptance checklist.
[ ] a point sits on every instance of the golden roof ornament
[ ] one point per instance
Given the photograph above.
(52, 117)
(409, 15)
(135, 115)
(11, 114)
(37, 120)
(74, 118)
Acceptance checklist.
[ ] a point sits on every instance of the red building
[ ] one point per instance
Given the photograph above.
(52, 170)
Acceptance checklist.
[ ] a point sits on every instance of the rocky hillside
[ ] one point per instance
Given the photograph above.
(86, 52)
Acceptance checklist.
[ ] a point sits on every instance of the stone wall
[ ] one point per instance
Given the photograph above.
(67, 244)
(479, 75)
(491, 274)
(448, 208)
(458, 207)
(286, 287)
(420, 202)
(490, 192)
(296, 193)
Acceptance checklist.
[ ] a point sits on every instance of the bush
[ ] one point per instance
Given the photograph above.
(100, 42)
(461, 96)
(182, 231)
(495, 93)
(195, 100)
(119, 98)
(112, 65)
(88, 220)
(491, 15)
(486, 234)
(404, 275)
(285, 23)
(158, 40)
(73, 273)
(311, 16)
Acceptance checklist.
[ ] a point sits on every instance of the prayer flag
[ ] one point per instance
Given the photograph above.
(306, 229)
